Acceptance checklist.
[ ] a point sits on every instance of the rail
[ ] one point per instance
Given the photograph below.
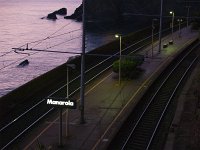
(73, 92)
(140, 136)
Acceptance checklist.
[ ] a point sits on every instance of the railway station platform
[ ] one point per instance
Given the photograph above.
(107, 103)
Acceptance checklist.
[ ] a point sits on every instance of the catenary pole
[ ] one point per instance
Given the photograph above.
(82, 90)
(67, 111)
(152, 36)
(160, 28)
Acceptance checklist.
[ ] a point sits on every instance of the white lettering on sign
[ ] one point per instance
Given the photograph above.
(61, 103)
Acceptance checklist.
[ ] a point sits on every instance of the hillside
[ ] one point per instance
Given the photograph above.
(134, 10)
(113, 10)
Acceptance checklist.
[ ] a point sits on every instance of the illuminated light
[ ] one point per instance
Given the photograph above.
(117, 35)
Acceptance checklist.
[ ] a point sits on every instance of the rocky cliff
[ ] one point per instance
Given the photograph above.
(105, 10)
(114, 10)
(133, 10)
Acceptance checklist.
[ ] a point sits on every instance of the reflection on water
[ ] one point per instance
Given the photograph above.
(21, 23)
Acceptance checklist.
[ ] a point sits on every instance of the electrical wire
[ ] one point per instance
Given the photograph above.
(16, 61)
(65, 33)
(64, 42)
(19, 52)
(6, 53)
(50, 37)
(39, 41)
(61, 28)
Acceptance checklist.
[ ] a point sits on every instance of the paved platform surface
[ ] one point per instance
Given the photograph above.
(106, 103)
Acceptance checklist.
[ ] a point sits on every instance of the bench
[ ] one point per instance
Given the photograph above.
(171, 42)
(165, 45)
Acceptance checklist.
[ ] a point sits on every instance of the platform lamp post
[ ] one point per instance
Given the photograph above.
(188, 13)
(172, 23)
(73, 66)
(160, 27)
(120, 53)
(153, 27)
(179, 26)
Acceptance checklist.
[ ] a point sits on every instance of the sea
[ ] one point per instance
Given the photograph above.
(23, 25)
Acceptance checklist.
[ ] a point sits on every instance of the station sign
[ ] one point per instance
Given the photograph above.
(62, 103)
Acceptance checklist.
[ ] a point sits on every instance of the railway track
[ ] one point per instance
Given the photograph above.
(18, 126)
(14, 130)
(142, 126)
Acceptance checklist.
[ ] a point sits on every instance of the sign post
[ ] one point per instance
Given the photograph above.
(73, 66)
(60, 129)
(61, 103)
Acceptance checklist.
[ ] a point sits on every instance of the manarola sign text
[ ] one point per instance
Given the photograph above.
(61, 103)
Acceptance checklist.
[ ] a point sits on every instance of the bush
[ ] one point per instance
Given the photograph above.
(128, 66)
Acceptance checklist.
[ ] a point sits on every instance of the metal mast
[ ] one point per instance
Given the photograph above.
(82, 90)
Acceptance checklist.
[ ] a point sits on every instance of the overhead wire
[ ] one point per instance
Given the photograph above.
(51, 33)
(65, 33)
(61, 28)
(16, 61)
(20, 52)
(50, 36)
(63, 42)
(6, 53)
(40, 41)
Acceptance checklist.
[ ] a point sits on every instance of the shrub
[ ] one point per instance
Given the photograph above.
(128, 66)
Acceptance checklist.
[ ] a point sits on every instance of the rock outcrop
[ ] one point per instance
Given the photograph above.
(23, 63)
(62, 11)
(98, 10)
(52, 16)
(77, 14)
